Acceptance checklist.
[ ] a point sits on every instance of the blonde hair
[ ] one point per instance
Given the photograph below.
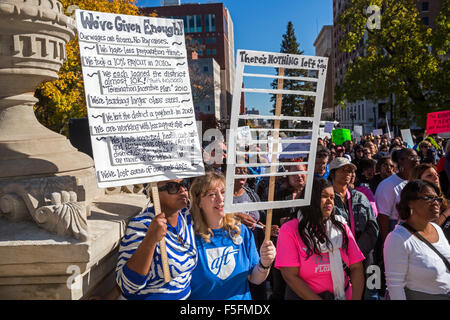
(199, 188)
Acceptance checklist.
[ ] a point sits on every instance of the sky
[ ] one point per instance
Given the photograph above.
(260, 24)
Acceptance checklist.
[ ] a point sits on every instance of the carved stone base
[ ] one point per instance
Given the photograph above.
(36, 264)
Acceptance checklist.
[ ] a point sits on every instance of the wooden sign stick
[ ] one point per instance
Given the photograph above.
(162, 243)
(273, 169)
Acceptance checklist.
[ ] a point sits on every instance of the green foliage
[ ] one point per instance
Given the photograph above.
(293, 105)
(64, 98)
(403, 58)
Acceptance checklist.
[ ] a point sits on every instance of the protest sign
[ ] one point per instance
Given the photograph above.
(328, 127)
(339, 136)
(378, 132)
(407, 137)
(295, 148)
(358, 132)
(438, 122)
(139, 99)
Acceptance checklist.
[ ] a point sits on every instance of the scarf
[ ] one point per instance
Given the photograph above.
(336, 267)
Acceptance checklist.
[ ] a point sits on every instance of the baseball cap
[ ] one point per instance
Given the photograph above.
(340, 162)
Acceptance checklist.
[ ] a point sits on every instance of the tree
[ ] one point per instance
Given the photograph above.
(64, 98)
(402, 61)
(292, 105)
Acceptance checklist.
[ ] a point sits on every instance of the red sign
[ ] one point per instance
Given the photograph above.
(438, 122)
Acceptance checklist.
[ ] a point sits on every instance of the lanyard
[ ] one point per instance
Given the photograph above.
(350, 209)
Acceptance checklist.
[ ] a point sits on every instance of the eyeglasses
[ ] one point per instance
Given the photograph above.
(174, 187)
(431, 199)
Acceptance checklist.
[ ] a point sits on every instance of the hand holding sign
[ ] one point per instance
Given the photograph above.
(139, 103)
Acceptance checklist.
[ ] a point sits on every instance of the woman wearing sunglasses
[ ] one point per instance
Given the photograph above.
(227, 256)
(416, 253)
(139, 270)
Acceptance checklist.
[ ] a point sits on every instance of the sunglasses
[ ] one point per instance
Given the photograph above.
(174, 187)
(431, 199)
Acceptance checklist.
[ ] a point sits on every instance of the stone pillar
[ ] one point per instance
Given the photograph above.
(58, 231)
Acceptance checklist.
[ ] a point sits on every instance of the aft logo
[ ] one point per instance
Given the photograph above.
(221, 261)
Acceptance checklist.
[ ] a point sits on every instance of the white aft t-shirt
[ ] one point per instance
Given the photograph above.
(410, 263)
(386, 195)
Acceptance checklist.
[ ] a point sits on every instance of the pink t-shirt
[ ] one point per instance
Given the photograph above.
(315, 271)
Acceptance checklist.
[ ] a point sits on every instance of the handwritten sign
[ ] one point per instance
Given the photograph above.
(339, 136)
(438, 122)
(297, 149)
(139, 98)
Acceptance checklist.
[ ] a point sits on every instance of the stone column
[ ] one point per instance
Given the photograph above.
(59, 232)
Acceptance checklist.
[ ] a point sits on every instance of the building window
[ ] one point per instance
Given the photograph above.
(213, 40)
(200, 52)
(208, 108)
(208, 52)
(210, 22)
(207, 40)
(205, 69)
(426, 21)
(425, 6)
(192, 23)
(225, 25)
(214, 51)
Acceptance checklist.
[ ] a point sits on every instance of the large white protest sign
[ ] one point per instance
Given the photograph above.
(139, 99)
(299, 140)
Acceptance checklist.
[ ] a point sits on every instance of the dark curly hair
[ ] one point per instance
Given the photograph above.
(311, 227)
(410, 193)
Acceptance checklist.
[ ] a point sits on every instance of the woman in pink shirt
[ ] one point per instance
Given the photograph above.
(317, 253)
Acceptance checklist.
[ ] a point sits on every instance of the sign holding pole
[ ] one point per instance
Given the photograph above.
(139, 101)
(276, 126)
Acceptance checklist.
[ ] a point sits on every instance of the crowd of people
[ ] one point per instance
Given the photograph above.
(377, 227)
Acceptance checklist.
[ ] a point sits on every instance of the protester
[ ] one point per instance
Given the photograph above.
(307, 255)
(414, 271)
(389, 188)
(365, 172)
(384, 168)
(359, 154)
(367, 153)
(292, 188)
(227, 256)
(443, 168)
(340, 151)
(321, 163)
(332, 154)
(357, 211)
(138, 269)
(426, 171)
(252, 219)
